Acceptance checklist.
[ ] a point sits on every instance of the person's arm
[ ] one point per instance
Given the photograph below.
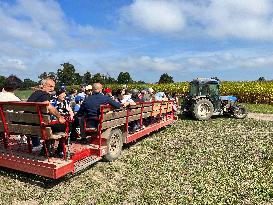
(53, 111)
(113, 103)
(82, 109)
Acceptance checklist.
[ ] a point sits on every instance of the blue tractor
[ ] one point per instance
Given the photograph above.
(204, 100)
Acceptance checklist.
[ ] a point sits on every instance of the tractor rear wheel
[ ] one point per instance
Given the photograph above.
(114, 145)
(240, 112)
(203, 109)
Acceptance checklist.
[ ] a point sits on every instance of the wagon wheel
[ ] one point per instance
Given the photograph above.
(114, 145)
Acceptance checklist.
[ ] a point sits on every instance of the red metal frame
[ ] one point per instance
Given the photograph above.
(56, 168)
(6, 128)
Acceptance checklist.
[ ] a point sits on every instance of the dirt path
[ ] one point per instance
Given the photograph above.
(260, 116)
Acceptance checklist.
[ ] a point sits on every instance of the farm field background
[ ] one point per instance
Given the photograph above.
(247, 92)
(220, 161)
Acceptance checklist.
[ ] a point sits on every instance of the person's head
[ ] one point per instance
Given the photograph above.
(82, 88)
(88, 89)
(120, 92)
(135, 93)
(107, 91)
(74, 92)
(48, 85)
(143, 92)
(150, 90)
(127, 92)
(97, 87)
(12, 83)
(61, 95)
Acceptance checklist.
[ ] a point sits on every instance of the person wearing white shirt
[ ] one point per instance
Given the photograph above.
(11, 84)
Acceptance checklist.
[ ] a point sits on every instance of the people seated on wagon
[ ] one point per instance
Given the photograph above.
(11, 84)
(88, 91)
(43, 95)
(78, 102)
(136, 96)
(149, 96)
(160, 96)
(90, 109)
(82, 91)
(108, 91)
(123, 96)
(63, 107)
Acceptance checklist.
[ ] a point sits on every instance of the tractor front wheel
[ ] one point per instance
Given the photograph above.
(203, 109)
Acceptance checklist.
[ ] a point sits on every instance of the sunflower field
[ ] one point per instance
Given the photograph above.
(247, 92)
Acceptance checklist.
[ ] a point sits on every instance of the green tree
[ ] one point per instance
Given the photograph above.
(124, 78)
(165, 78)
(44, 75)
(2, 81)
(67, 75)
(87, 78)
(28, 83)
(98, 78)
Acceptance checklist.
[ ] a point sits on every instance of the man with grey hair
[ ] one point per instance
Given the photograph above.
(43, 95)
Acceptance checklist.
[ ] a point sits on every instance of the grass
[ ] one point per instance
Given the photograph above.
(23, 94)
(259, 108)
(220, 161)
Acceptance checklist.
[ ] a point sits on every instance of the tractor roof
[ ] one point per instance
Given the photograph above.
(205, 81)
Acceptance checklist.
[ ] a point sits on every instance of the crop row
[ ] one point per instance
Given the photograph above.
(247, 92)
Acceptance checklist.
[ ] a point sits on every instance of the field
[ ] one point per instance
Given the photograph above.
(220, 161)
(247, 92)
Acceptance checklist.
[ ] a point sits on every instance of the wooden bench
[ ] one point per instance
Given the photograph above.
(26, 118)
(111, 118)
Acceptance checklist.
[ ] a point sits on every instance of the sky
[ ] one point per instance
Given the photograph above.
(230, 39)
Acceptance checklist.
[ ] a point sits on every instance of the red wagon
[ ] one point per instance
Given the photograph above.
(20, 121)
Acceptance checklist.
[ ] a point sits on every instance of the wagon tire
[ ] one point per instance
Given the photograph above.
(114, 145)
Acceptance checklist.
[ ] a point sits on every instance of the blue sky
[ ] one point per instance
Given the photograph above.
(230, 39)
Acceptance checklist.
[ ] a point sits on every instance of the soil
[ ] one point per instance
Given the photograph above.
(260, 116)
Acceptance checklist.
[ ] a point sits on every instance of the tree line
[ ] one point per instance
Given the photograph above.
(67, 75)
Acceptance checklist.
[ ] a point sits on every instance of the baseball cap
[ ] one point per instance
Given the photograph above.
(88, 87)
(107, 90)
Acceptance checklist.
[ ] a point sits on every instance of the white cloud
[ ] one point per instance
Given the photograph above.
(12, 64)
(139, 64)
(155, 16)
(251, 19)
(240, 19)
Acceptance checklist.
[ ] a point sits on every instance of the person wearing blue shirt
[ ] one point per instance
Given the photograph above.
(90, 108)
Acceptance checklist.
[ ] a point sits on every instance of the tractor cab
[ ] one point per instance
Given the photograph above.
(206, 88)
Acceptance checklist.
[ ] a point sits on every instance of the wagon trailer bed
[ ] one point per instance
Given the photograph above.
(32, 119)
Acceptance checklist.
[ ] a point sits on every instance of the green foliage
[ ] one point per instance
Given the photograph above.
(23, 94)
(87, 78)
(45, 75)
(28, 83)
(2, 81)
(165, 78)
(124, 78)
(67, 75)
(259, 108)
